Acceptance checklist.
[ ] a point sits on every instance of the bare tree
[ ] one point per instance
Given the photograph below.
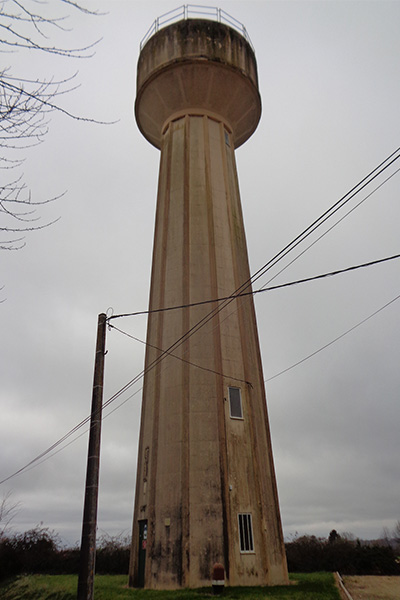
(25, 107)
(386, 536)
(396, 533)
(8, 510)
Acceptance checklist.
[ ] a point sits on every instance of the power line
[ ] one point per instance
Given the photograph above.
(192, 364)
(267, 266)
(317, 223)
(306, 232)
(48, 456)
(253, 292)
(42, 455)
(332, 227)
(326, 215)
(332, 341)
(329, 274)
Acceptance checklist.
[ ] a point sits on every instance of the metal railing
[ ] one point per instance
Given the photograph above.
(195, 11)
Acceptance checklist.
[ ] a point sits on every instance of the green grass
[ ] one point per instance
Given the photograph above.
(314, 586)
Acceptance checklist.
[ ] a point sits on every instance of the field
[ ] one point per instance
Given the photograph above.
(370, 587)
(314, 586)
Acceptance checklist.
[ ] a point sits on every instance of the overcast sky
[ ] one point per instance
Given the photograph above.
(330, 87)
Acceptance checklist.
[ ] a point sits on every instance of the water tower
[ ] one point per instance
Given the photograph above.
(206, 490)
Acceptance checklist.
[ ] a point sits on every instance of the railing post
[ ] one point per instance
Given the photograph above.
(184, 12)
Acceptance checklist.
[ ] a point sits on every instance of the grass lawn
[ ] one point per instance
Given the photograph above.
(313, 586)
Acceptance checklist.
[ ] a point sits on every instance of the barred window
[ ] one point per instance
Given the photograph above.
(246, 532)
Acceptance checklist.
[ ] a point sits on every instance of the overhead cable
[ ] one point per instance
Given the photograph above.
(254, 292)
(188, 362)
(332, 341)
(267, 266)
(331, 228)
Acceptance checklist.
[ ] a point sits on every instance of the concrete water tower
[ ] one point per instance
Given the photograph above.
(206, 490)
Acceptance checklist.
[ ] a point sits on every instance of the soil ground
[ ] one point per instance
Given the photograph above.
(370, 587)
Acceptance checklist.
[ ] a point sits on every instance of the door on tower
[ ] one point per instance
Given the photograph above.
(142, 551)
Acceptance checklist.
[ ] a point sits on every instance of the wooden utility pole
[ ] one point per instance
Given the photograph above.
(89, 524)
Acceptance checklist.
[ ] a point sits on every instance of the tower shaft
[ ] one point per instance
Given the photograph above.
(206, 490)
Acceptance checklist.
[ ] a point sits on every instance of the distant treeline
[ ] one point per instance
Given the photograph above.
(307, 554)
(39, 551)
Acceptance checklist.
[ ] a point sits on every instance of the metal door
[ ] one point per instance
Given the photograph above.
(142, 551)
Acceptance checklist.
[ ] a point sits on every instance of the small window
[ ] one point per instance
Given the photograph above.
(246, 533)
(227, 141)
(235, 403)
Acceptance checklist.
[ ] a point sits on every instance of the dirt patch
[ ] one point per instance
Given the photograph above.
(370, 587)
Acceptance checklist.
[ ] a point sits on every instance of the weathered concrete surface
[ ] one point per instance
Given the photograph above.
(199, 65)
(198, 468)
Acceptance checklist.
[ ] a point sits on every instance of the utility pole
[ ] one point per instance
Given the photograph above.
(89, 524)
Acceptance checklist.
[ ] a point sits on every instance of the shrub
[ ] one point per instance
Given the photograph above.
(35, 551)
(112, 556)
(308, 554)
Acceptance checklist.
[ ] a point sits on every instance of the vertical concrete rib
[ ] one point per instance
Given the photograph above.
(217, 344)
(186, 370)
(151, 389)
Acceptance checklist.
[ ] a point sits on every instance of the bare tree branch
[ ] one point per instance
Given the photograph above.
(8, 511)
(26, 104)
